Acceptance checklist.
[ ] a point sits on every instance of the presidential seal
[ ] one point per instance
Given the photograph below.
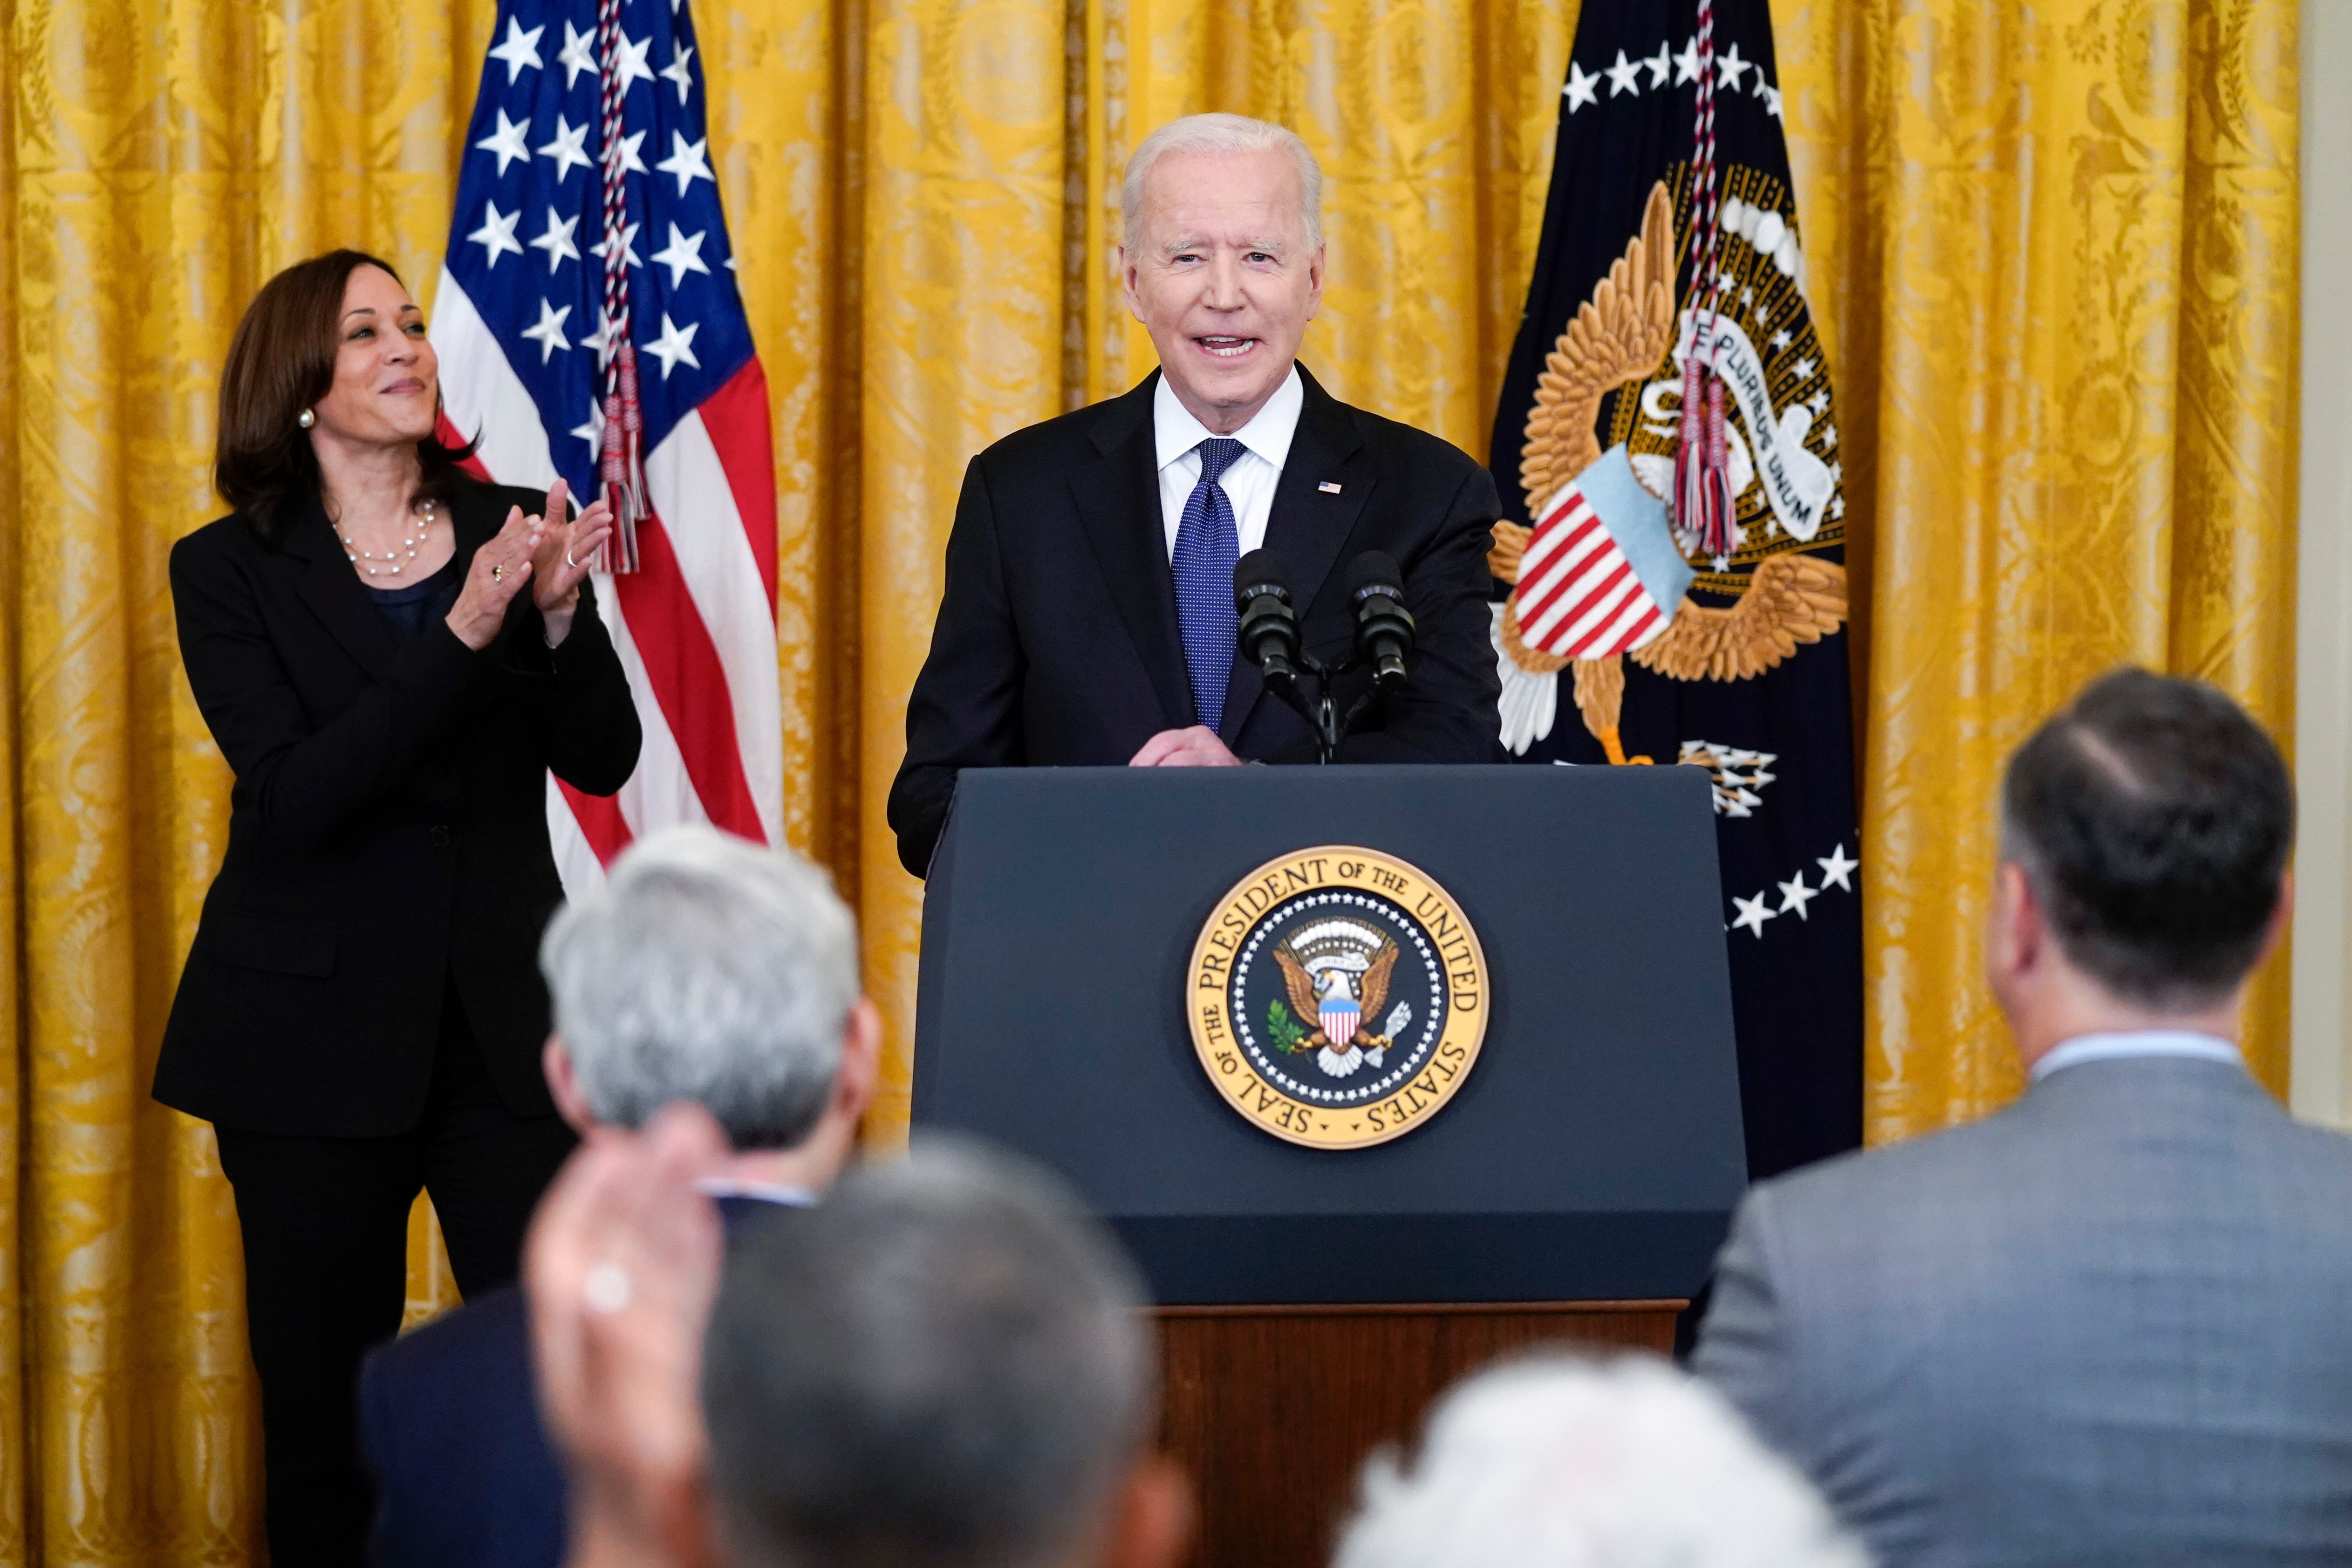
(1337, 997)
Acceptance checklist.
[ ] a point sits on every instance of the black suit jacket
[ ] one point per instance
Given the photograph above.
(1056, 643)
(449, 1419)
(388, 829)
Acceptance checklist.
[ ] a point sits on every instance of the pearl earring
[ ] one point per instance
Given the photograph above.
(306, 419)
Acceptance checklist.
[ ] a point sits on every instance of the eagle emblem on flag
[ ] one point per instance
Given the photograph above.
(1602, 556)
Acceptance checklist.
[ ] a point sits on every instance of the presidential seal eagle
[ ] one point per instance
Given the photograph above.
(1340, 1007)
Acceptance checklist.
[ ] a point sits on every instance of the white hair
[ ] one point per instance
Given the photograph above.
(1565, 1462)
(1217, 134)
(706, 968)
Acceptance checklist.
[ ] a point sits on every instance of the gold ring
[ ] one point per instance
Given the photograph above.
(498, 572)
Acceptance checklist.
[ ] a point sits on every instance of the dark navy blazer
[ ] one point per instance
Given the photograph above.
(449, 1416)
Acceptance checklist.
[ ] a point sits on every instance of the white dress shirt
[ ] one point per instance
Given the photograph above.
(1248, 483)
(2135, 1043)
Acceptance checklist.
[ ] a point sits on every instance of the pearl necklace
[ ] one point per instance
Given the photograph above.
(396, 562)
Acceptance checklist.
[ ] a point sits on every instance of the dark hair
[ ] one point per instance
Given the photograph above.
(2153, 819)
(944, 1364)
(281, 361)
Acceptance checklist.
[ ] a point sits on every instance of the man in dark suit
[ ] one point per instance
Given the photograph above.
(705, 970)
(2109, 1324)
(1088, 613)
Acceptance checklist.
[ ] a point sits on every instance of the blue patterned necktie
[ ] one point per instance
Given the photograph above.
(1208, 544)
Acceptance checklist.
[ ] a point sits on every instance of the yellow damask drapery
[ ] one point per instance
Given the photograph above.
(2053, 252)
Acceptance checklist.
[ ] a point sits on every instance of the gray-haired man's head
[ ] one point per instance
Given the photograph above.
(1564, 1462)
(708, 969)
(944, 1365)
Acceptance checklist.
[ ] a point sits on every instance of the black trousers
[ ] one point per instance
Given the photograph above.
(325, 1223)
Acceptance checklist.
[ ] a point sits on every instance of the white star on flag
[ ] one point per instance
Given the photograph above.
(570, 147)
(549, 333)
(1624, 77)
(591, 430)
(688, 161)
(1772, 95)
(579, 54)
(681, 256)
(1795, 895)
(1753, 914)
(557, 240)
(1686, 63)
(497, 233)
(1581, 88)
(1660, 64)
(628, 247)
(1780, 340)
(507, 142)
(675, 343)
(519, 50)
(677, 69)
(600, 340)
(1835, 869)
(1804, 369)
(632, 61)
(626, 149)
(1730, 68)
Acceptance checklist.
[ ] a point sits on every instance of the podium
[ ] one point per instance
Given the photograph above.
(1573, 1185)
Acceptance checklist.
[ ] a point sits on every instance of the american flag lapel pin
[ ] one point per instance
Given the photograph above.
(1330, 487)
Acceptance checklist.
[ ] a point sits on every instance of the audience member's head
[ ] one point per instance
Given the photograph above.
(2145, 834)
(945, 1365)
(1565, 1462)
(708, 969)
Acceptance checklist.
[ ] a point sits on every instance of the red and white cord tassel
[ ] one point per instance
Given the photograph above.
(1704, 518)
(619, 454)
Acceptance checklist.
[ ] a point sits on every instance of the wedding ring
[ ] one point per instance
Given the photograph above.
(498, 572)
(567, 558)
(606, 1288)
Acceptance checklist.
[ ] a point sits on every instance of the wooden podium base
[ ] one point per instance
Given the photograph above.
(1272, 1409)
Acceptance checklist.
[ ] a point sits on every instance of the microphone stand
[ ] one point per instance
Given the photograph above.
(1319, 709)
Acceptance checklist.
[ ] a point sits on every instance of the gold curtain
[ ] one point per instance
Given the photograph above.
(2053, 254)
(2055, 251)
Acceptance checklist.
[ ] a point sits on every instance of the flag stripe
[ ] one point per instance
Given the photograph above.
(683, 669)
(688, 479)
(737, 418)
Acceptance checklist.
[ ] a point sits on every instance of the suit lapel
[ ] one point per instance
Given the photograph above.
(1118, 497)
(335, 594)
(1307, 524)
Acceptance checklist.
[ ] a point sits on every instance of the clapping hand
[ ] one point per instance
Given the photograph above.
(567, 549)
(496, 574)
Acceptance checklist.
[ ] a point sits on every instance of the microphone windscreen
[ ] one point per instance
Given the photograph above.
(1260, 567)
(1375, 569)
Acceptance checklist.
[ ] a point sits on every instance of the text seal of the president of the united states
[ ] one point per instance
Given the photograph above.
(1337, 997)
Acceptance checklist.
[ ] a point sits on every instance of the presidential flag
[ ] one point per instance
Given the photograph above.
(588, 325)
(1670, 570)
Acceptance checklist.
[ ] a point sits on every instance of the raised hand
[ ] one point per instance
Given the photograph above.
(620, 1268)
(498, 573)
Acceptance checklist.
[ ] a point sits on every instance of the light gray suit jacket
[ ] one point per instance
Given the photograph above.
(2112, 1324)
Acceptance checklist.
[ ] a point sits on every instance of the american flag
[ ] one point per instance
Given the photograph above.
(587, 218)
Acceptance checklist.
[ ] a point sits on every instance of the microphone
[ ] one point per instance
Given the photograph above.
(1383, 625)
(1268, 632)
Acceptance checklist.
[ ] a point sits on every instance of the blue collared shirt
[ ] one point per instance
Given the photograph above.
(2137, 1043)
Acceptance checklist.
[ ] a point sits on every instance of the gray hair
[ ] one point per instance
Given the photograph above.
(943, 1365)
(706, 968)
(1566, 1462)
(1216, 134)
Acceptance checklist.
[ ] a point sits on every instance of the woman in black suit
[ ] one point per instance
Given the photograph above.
(391, 656)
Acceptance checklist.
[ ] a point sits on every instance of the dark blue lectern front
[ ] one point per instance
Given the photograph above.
(1594, 1151)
